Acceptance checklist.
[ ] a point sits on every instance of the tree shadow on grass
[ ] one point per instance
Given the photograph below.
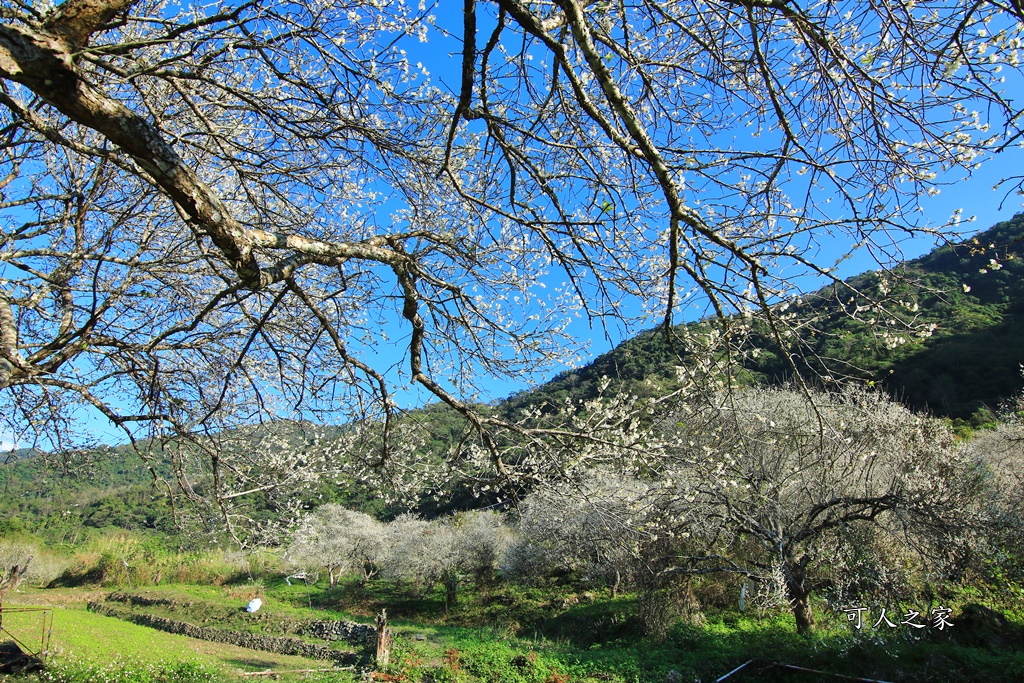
(253, 663)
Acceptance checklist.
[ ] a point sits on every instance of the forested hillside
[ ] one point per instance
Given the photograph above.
(955, 351)
(106, 487)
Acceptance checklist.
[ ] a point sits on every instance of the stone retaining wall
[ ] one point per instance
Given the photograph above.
(284, 645)
(143, 601)
(350, 631)
(353, 632)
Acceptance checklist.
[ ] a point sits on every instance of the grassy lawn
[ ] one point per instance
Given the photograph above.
(104, 645)
(511, 634)
(514, 634)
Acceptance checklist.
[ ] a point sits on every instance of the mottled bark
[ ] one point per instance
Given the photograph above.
(43, 63)
(384, 641)
(76, 20)
(8, 342)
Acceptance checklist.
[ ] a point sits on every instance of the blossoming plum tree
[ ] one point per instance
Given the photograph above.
(213, 213)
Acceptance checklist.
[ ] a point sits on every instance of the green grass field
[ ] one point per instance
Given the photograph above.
(85, 642)
(499, 634)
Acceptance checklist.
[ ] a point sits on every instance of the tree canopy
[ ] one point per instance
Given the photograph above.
(214, 212)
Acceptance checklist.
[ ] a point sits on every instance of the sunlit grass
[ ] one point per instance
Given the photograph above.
(505, 633)
(85, 642)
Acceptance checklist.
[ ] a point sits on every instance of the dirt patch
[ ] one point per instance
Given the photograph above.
(51, 597)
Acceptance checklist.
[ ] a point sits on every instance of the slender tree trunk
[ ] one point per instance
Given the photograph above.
(369, 571)
(451, 596)
(484, 576)
(691, 604)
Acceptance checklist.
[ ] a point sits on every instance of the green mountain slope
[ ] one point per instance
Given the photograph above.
(956, 350)
(959, 349)
(64, 494)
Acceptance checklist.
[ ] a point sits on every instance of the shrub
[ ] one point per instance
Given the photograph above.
(44, 567)
(590, 528)
(126, 559)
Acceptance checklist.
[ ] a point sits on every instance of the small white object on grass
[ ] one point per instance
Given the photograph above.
(253, 605)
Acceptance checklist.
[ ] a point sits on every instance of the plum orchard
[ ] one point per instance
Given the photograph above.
(410, 550)
(845, 493)
(213, 213)
(846, 496)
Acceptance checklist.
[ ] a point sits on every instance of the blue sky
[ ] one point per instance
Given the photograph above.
(974, 196)
(981, 206)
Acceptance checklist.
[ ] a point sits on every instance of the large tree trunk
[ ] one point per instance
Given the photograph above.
(803, 613)
(799, 596)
